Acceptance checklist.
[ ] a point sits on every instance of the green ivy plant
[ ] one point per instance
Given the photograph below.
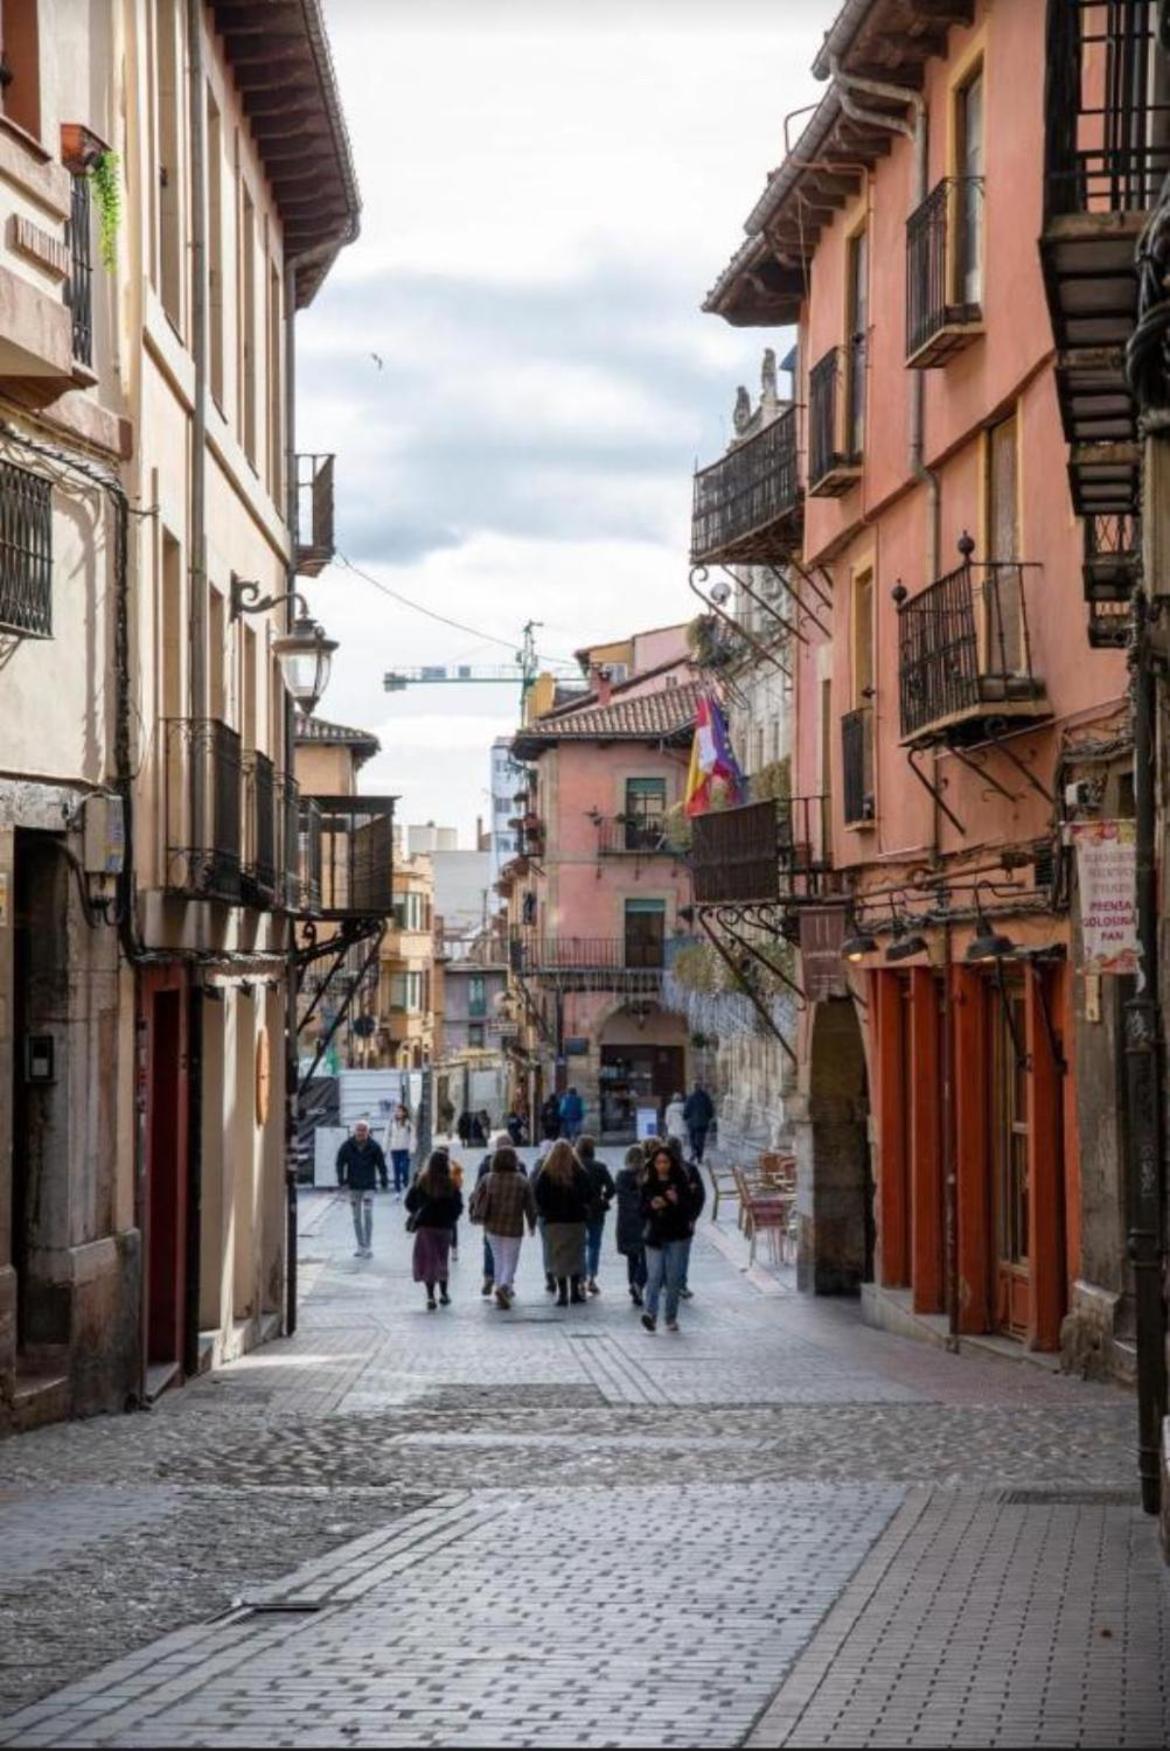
(106, 185)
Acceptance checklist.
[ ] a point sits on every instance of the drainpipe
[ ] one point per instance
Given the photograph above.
(198, 625)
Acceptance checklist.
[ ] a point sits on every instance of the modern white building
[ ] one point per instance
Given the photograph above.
(507, 779)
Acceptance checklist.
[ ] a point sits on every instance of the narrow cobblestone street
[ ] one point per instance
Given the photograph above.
(549, 1527)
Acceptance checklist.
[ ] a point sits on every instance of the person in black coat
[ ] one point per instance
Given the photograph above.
(603, 1191)
(563, 1198)
(360, 1165)
(630, 1221)
(550, 1119)
(435, 1204)
(698, 1113)
(698, 1199)
(666, 1209)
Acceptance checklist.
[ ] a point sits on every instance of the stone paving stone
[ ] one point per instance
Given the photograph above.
(521, 1529)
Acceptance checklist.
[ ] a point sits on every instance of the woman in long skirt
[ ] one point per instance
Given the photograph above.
(563, 1194)
(435, 1204)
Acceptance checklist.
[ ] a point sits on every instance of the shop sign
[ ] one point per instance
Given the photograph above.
(822, 934)
(1107, 879)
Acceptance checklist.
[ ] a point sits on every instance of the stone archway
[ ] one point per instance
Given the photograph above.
(834, 1172)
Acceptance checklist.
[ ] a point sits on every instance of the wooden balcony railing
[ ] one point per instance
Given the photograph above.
(857, 785)
(1107, 109)
(747, 504)
(764, 851)
(201, 809)
(964, 652)
(356, 867)
(938, 234)
(314, 535)
(259, 872)
(834, 463)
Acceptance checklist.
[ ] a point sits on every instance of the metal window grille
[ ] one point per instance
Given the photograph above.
(26, 553)
(1108, 118)
(826, 451)
(79, 288)
(857, 765)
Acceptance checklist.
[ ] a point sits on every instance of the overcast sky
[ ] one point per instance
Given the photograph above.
(511, 363)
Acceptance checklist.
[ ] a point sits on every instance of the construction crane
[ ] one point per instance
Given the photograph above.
(524, 670)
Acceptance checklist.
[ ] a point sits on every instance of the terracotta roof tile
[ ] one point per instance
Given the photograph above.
(667, 712)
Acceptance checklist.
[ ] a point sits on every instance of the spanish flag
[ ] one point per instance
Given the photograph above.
(714, 779)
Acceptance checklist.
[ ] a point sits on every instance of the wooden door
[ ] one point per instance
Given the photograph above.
(1011, 1288)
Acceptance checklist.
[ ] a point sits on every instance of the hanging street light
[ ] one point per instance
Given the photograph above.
(988, 944)
(305, 655)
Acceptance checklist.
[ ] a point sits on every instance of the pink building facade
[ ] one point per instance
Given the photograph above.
(594, 900)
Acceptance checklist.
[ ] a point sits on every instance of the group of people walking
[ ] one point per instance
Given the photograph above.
(659, 1195)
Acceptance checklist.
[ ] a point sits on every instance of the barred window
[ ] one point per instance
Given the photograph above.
(26, 553)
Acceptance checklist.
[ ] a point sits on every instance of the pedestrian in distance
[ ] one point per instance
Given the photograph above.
(666, 1210)
(698, 1199)
(483, 1120)
(434, 1203)
(572, 1112)
(601, 1195)
(516, 1128)
(563, 1197)
(550, 1118)
(630, 1223)
(503, 1203)
(699, 1113)
(464, 1128)
(360, 1166)
(399, 1146)
(676, 1119)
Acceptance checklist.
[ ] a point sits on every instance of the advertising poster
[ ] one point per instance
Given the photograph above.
(1106, 876)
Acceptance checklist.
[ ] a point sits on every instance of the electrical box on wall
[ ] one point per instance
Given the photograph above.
(105, 836)
(39, 1063)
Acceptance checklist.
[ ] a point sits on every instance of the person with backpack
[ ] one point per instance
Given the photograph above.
(434, 1202)
(630, 1222)
(602, 1192)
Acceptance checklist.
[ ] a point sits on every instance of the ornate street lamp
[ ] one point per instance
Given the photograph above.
(305, 653)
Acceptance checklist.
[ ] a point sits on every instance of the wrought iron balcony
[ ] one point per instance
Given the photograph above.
(26, 553)
(626, 836)
(769, 851)
(1113, 557)
(356, 858)
(313, 536)
(201, 809)
(834, 383)
(288, 803)
(747, 506)
(939, 320)
(857, 784)
(589, 963)
(1108, 114)
(79, 286)
(258, 874)
(964, 653)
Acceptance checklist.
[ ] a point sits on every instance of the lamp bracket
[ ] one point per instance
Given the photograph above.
(246, 599)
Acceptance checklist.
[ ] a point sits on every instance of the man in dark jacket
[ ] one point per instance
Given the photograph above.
(698, 1113)
(360, 1165)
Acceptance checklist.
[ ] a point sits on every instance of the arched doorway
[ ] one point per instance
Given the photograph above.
(835, 1178)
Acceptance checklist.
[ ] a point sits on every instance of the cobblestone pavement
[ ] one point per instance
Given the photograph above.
(470, 1527)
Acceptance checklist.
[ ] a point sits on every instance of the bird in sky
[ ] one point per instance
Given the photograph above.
(378, 360)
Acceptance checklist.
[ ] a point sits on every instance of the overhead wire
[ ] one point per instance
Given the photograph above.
(343, 559)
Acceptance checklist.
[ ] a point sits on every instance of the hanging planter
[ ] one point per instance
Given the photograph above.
(106, 188)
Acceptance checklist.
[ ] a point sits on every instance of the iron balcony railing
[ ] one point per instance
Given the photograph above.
(857, 785)
(309, 836)
(621, 836)
(937, 237)
(834, 383)
(313, 535)
(1107, 107)
(743, 502)
(356, 855)
(201, 809)
(964, 650)
(26, 553)
(763, 851)
(79, 287)
(260, 830)
(289, 842)
(530, 953)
